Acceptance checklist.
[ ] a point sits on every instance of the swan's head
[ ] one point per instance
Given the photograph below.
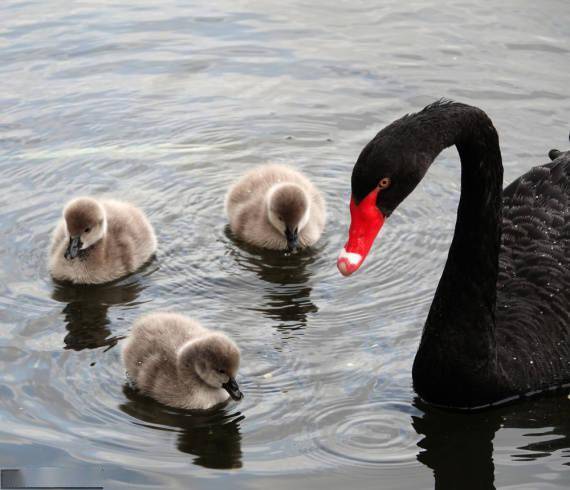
(215, 359)
(288, 209)
(85, 223)
(386, 172)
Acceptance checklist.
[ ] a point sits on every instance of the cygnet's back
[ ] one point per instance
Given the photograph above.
(179, 363)
(273, 205)
(116, 239)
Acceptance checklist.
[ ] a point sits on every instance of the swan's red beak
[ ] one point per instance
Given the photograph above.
(365, 223)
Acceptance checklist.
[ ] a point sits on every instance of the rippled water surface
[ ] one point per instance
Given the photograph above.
(164, 104)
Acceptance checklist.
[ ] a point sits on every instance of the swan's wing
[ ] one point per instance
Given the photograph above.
(533, 287)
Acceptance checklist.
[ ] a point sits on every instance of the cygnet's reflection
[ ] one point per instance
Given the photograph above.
(287, 294)
(87, 307)
(458, 446)
(212, 436)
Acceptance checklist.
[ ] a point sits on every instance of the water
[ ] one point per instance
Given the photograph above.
(165, 104)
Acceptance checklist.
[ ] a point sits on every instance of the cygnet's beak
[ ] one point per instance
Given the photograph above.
(73, 248)
(292, 239)
(233, 389)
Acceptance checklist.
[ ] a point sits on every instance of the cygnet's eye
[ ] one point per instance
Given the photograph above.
(221, 371)
(87, 230)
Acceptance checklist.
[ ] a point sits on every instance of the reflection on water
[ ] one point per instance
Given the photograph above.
(461, 449)
(458, 447)
(286, 294)
(212, 436)
(86, 312)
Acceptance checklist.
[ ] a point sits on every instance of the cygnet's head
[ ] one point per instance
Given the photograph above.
(288, 211)
(86, 224)
(215, 359)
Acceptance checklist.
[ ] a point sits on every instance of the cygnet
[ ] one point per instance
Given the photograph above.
(276, 207)
(99, 241)
(180, 363)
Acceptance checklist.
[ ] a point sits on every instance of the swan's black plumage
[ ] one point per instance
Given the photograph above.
(499, 323)
(533, 287)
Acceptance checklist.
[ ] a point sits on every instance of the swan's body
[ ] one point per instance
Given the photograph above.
(499, 323)
(179, 363)
(99, 241)
(276, 207)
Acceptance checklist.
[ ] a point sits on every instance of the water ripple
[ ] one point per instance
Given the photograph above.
(366, 435)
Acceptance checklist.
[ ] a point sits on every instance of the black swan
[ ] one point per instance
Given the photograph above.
(499, 324)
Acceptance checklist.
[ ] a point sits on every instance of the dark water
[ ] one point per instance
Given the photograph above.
(164, 104)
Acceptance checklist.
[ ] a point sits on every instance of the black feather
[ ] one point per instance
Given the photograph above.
(499, 323)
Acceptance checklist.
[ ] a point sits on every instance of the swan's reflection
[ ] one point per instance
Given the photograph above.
(458, 447)
(212, 436)
(287, 294)
(87, 307)
(287, 297)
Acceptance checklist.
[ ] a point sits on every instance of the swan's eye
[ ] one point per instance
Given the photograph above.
(385, 183)
(87, 230)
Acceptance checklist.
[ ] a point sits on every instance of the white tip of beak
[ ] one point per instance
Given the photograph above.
(348, 262)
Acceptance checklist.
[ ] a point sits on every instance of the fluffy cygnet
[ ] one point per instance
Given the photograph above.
(179, 363)
(100, 240)
(276, 207)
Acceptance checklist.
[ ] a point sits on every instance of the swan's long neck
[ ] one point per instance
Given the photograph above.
(457, 352)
